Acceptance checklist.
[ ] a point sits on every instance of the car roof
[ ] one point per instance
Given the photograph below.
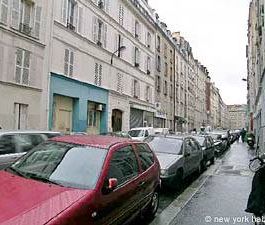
(27, 132)
(142, 128)
(168, 136)
(98, 141)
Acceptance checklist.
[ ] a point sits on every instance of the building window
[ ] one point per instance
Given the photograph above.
(148, 40)
(137, 29)
(21, 116)
(121, 15)
(165, 87)
(25, 16)
(158, 63)
(119, 83)
(136, 89)
(165, 50)
(148, 93)
(99, 32)
(148, 65)
(158, 84)
(171, 91)
(92, 114)
(171, 56)
(98, 74)
(158, 44)
(166, 72)
(68, 62)
(22, 66)
(103, 4)
(119, 44)
(171, 73)
(136, 57)
(3, 11)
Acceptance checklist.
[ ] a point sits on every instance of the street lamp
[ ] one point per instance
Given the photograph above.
(121, 48)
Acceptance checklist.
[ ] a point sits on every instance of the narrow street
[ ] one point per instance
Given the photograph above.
(219, 195)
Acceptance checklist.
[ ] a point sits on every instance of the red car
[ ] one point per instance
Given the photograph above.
(81, 180)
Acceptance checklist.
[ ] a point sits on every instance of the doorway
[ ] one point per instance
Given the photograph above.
(116, 120)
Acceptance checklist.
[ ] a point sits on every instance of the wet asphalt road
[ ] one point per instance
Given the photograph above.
(222, 198)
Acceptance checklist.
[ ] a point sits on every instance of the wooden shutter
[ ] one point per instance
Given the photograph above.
(104, 38)
(95, 29)
(96, 73)
(138, 89)
(71, 64)
(80, 20)
(4, 11)
(37, 22)
(99, 75)
(133, 26)
(64, 11)
(15, 14)
(107, 5)
(26, 68)
(66, 61)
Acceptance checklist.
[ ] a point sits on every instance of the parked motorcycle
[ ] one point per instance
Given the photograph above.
(256, 200)
(251, 141)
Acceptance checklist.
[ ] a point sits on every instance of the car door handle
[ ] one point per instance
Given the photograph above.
(142, 183)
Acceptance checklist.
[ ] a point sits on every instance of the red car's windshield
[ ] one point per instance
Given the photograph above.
(61, 163)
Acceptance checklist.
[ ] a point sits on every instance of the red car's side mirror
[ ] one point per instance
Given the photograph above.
(113, 183)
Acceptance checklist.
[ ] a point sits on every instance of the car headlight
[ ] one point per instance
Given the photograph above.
(164, 172)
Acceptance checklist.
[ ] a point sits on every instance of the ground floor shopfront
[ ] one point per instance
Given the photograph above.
(141, 115)
(76, 106)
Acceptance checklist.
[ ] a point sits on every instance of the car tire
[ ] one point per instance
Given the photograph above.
(152, 206)
(212, 160)
(203, 166)
(178, 179)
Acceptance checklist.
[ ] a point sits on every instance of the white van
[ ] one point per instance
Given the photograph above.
(140, 133)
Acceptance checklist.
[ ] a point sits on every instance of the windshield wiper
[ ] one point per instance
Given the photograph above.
(18, 172)
(44, 179)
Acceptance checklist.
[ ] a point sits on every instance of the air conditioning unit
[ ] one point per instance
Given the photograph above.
(158, 105)
(99, 107)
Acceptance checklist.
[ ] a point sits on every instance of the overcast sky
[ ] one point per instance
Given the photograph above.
(217, 33)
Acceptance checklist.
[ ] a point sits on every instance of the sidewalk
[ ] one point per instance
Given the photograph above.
(218, 197)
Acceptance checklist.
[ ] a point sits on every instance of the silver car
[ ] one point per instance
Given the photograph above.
(179, 157)
(14, 144)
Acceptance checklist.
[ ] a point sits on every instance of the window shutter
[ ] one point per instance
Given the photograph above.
(26, 67)
(76, 17)
(139, 31)
(99, 75)
(133, 26)
(96, 73)
(146, 93)
(146, 63)
(4, 11)
(19, 61)
(138, 89)
(15, 14)
(64, 11)
(95, 29)
(80, 20)
(105, 28)
(107, 5)
(71, 64)
(66, 61)
(132, 88)
(37, 22)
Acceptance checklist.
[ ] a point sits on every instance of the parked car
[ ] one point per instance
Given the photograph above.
(14, 144)
(81, 180)
(220, 142)
(208, 148)
(178, 156)
(118, 134)
(140, 133)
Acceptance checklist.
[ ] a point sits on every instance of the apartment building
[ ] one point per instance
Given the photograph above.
(24, 30)
(102, 75)
(237, 116)
(164, 77)
(256, 70)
